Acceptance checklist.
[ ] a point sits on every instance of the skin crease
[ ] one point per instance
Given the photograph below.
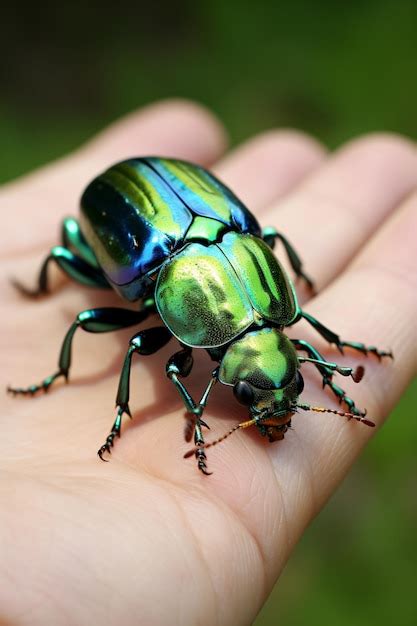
(146, 539)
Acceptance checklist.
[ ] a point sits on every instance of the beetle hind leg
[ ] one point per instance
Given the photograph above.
(74, 257)
(75, 267)
(42, 386)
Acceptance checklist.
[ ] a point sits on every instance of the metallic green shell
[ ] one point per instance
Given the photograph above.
(208, 295)
(200, 297)
(267, 284)
(265, 358)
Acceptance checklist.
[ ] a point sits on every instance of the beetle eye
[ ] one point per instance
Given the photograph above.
(299, 382)
(243, 392)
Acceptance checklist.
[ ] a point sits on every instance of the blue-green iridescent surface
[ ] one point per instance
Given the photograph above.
(138, 212)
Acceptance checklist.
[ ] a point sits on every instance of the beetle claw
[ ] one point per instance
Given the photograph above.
(202, 465)
(100, 454)
(106, 447)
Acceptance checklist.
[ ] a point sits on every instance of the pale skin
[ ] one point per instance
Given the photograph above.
(146, 538)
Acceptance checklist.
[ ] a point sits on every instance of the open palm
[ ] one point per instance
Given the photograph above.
(146, 538)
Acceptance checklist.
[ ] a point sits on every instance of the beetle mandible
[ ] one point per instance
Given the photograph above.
(169, 234)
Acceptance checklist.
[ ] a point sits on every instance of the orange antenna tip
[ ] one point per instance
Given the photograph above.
(350, 416)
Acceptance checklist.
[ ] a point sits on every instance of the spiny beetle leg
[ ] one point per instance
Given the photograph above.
(43, 386)
(361, 347)
(327, 375)
(270, 234)
(333, 338)
(145, 342)
(180, 364)
(300, 344)
(75, 258)
(75, 267)
(342, 397)
(101, 320)
(115, 432)
(200, 455)
(73, 239)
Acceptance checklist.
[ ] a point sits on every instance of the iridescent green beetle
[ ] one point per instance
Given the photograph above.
(170, 235)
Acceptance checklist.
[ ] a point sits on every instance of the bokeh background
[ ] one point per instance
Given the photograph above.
(332, 69)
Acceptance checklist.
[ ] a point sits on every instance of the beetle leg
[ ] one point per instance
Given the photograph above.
(73, 239)
(77, 268)
(270, 235)
(180, 364)
(145, 342)
(300, 344)
(101, 320)
(327, 375)
(333, 338)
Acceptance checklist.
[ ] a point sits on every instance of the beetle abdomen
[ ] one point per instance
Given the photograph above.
(267, 285)
(201, 299)
(138, 212)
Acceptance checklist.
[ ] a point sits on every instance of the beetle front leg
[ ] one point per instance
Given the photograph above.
(270, 235)
(180, 364)
(333, 338)
(144, 343)
(327, 375)
(101, 320)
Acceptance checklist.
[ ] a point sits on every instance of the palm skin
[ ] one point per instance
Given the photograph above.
(146, 538)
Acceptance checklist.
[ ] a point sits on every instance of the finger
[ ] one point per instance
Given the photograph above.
(337, 209)
(375, 302)
(171, 128)
(263, 169)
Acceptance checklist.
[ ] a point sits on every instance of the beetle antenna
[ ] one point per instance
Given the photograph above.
(210, 444)
(350, 416)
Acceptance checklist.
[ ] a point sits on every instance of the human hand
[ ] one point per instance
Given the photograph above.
(146, 539)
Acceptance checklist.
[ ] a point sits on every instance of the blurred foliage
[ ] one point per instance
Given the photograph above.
(66, 69)
(334, 70)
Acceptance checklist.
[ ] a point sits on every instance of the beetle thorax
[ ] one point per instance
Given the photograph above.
(266, 360)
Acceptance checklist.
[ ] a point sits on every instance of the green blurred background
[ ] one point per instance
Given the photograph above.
(334, 70)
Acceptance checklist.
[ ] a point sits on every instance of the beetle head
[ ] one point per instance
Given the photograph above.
(262, 367)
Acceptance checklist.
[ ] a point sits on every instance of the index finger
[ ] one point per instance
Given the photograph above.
(380, 285)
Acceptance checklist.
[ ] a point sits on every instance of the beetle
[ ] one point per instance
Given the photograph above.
(170, 235)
